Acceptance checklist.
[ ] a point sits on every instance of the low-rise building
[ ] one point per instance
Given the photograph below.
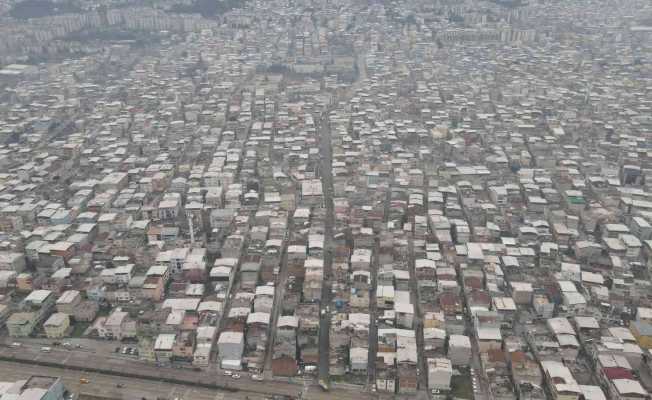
(57, 325)
(22, 324)
(459, 350)
(440, 372)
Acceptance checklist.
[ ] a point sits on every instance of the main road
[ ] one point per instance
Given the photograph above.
(145, 380)
(326, 171)
(107, 386)
(279, 296)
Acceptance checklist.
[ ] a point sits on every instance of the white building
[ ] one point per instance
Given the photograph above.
(163, 346)
(230, 348)
(440, 372)
(459, 349)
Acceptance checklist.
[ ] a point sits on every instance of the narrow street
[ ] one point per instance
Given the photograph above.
(279, 294)
(373, 316)
(418, 323)
(327, 187)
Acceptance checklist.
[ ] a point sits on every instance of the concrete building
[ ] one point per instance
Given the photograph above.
(68, 301)
(459, 350)
(57, 325)
(22, 324)
(230, 347)
(440, 372)
(35, 387)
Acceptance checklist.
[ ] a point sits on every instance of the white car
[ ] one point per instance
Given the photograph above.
(235, 376)
(258, 378)
(228, 373)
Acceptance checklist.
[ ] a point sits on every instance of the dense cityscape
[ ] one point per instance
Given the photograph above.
(338, 199)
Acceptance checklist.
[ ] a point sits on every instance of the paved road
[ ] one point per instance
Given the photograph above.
(418, 324)
(373, 314)
(278, 299)
(485, 391)
(101, 348)
(145, 377)
(102, 385)
(327, 187)
(373, 301)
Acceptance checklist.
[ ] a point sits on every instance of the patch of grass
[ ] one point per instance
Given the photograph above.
(41, 8)
(79, 329)
(103, 312)
(207, 8)
(461, 387)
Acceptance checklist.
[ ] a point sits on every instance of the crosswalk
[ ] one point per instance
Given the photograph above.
(305, 389)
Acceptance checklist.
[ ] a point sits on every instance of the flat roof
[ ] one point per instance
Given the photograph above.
(68, 296)
(38, 296)
(57, 319)
(165, 341)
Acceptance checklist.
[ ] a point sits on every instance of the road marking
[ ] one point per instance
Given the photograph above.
(305, 389)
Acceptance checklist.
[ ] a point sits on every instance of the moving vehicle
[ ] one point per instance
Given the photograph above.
(258, 378)
(235, 376)
(46, 349)
(83, 381)
(228, 373)
(310, 368)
